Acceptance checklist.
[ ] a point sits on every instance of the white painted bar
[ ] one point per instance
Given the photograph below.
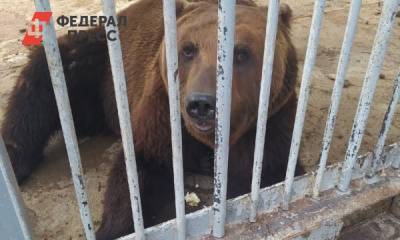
(349, 34)
(175, 115)
(67, 124)
(268, 61)
(226, 35)
(238, 209)
(309, 62)
(381, 42)
(396, 161)
(117, 69)
(387, 122)
(13, 221)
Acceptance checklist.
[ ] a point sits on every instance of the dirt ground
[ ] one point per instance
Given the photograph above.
(49, 194)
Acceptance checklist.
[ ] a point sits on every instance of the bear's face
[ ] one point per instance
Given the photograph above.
(197, 53)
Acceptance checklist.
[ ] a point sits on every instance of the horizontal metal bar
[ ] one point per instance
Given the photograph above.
(67, 124)
(226, 34)
(124, 116)
(13, 220)
(199, 223)
(175, 115)
(349, 34)
(381, 42)
(309, 62)
(387, 122)
(306, 216)
(268, 61)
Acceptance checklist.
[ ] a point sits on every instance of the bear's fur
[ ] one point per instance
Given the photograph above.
(32, 117)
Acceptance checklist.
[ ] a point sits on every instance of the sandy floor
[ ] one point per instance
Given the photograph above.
(49, 193)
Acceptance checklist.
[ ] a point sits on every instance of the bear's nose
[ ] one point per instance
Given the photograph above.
(200, 106)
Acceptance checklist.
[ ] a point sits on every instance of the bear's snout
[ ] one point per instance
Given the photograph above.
(201, 109)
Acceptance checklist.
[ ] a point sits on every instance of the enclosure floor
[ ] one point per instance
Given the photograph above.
(383, 227)
(49, 194)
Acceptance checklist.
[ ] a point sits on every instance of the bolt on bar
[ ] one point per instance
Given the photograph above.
(13, 224)
(387, 122)
(367, 93)
(226, 35)
(67, 124)
(117, 69)
(175, 115)
(351, 28)
(309, 62)
(269, 51)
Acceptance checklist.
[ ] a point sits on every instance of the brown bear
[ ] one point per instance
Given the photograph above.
(32, 118)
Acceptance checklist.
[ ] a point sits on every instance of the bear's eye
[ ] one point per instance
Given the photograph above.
(241, 55)
(189, 51)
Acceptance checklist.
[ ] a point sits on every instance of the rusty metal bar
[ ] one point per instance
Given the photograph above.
(226, 34)
(269, 52)
(381, 42)
(175, 115)
(13, 221)
(316, 220)
(349, 34)
(67, 124)
(309, 62)
(117, 69)
(387, 122)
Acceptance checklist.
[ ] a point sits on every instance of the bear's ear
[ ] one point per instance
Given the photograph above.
(180, 6)
(285, 13)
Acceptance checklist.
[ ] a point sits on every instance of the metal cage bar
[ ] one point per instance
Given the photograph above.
(117, 69)
(268, 61)
(387, 122)
(226, 35)
(276, 224)
(309, 62)
(381, 42)
(344, 58)
(13, 223)
(67, 124)
(175, 115)
(226, 32)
